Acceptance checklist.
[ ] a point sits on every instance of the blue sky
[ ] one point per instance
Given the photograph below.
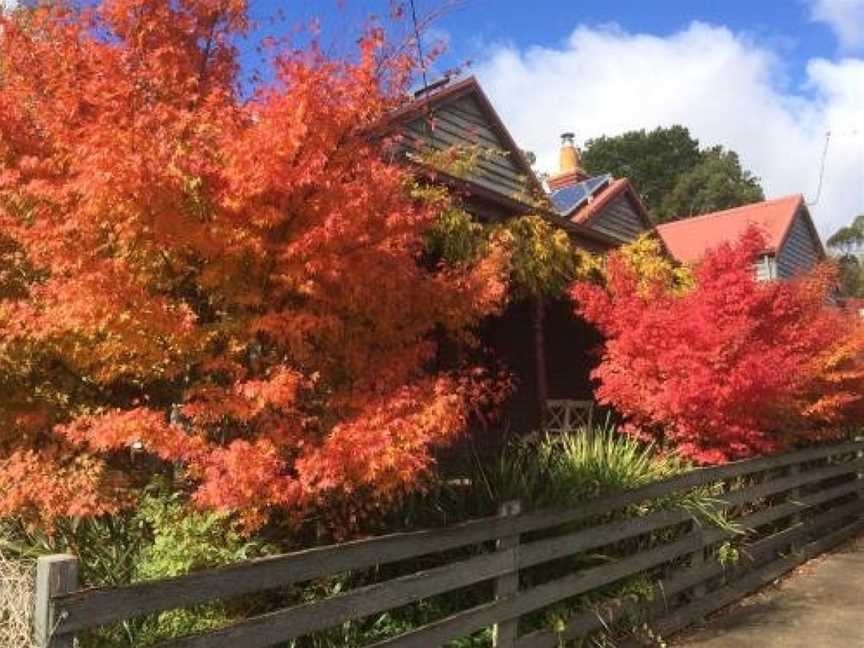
(472, 25)
(766, 78)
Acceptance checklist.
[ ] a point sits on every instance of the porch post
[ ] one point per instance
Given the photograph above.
(541, 380)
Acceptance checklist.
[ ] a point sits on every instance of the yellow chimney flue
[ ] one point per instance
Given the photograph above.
(568, 160)
(570, 169)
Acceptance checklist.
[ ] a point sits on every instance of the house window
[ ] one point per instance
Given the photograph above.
(766, 268)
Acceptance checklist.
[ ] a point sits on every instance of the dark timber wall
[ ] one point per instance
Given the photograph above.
(800, 252)
(619, 219)
(462, 123)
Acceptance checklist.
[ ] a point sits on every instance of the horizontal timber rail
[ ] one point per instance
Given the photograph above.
(785, 508)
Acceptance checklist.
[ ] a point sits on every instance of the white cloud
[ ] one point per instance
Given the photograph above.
(727, 89)
(844, 17)
(8, 4)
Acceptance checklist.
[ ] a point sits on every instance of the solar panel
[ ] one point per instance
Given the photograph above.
(569, 198)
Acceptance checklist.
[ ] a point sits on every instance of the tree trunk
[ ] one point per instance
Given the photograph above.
(540, 383)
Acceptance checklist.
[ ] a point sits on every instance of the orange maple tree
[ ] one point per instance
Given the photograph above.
(226, 284)
(726, 366)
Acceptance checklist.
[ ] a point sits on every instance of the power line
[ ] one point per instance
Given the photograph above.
(420, 56)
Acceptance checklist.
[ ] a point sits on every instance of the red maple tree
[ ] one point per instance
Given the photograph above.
(226, 286)
(730, 367)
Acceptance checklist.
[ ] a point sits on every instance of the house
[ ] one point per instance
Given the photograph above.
(792, 245)
(601, 203)
(543, 343)
(500, 183)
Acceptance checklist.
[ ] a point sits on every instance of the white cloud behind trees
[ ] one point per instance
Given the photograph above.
(725, 87)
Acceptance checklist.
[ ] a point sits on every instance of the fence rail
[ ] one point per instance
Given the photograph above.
(792, 506)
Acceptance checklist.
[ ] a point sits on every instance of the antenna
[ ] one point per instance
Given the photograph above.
(815, 201)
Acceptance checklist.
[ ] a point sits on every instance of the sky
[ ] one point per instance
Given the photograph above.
(766, 78)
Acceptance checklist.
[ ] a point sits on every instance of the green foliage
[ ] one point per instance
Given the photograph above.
(728, 554)
(847, 246)
(849, 239)
(675, 178)
(456, 237)
(460, 161)
(184, 541)
(717, 182)
(163, 538)
(543, 260)
(652, 160)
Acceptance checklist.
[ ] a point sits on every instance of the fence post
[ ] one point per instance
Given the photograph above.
(55, 575)
(504, 633)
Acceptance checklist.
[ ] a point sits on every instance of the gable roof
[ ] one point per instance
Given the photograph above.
(689, 239)
(622, 186)
(434, 104)
(581, 202)
(425, 107)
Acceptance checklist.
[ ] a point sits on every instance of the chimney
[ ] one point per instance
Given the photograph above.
(570, 169)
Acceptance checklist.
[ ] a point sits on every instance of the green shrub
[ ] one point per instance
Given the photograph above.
(162, 538)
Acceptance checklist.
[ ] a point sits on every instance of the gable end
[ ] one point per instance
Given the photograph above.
(461, 123)
(800, 250)
(619, 219)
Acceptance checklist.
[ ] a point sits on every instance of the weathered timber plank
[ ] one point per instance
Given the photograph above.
(761, 518)
(755, 579)
(462, 623)
(446, 138)
(590, 621)
(535, 553)
(93, 607)
(88, 608)
(275, 627)
(55, 574)
(584, 623)
(504, 633)
(782, 484)
(781, 540)
(798, 505)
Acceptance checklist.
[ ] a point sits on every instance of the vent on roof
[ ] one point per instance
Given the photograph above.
(432, 87)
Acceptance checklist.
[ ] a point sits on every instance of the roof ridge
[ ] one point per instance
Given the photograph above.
(723, 212)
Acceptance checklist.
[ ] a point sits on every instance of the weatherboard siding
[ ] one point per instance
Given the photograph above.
(461, 123)
(800, 251)
(619, 219)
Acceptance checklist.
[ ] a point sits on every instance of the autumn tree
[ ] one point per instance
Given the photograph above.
(230, 288)
(720, 365)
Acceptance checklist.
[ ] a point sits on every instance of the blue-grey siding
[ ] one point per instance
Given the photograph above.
(462, 123)
(800, 251)
(619, 219)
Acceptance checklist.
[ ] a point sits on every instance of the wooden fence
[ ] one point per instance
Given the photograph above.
(793, 507)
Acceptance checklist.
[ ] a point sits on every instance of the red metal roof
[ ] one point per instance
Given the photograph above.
(689, 239)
